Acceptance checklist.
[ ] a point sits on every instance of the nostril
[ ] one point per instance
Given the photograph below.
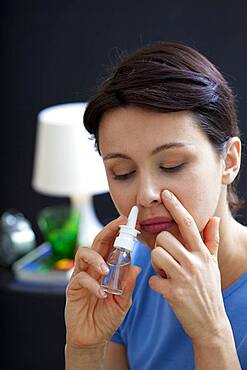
(148, 196)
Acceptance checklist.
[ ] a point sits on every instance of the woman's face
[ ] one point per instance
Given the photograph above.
(145, 152)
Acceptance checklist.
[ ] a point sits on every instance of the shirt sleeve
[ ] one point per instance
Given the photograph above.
(242, 352)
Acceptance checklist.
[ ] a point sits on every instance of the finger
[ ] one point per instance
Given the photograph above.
(173, 246)
(84, 280)
(124, 300)
(160, 285)
(86, 257)
(105, 239)
(162, 260)
(184, 220)
(211, 235)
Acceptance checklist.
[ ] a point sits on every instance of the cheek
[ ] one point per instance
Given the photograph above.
(122, 198)
(200, 197)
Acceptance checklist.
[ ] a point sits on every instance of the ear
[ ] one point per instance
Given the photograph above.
(232, 160)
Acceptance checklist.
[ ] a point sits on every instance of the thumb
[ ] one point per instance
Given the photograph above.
(211, 235)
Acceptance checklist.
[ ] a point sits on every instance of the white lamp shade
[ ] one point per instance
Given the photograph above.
(66, 162)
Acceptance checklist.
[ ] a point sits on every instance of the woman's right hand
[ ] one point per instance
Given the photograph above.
(91, 315)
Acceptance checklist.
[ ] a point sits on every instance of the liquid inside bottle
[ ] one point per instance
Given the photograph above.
(118, 263)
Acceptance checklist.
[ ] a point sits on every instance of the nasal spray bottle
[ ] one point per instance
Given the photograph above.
(119, 259)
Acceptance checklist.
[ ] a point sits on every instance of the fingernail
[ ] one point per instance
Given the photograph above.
(218, 219)
(102, 293)
(104, 268)
(167, 194)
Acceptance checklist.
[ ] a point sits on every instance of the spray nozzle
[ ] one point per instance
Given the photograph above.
(132, 217)
(128, 233)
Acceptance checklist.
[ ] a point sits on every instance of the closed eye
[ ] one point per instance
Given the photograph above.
(172, 169)
(124, 176)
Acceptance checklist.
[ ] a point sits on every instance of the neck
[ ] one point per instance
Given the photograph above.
(232, 254)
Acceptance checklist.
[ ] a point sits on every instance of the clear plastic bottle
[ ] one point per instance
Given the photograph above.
(120, 258)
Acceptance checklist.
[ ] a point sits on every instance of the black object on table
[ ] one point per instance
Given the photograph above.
(32, 329)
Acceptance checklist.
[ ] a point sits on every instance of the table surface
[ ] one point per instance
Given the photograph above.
(9, 282)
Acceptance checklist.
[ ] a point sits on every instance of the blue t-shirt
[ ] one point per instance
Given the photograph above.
(153, 336)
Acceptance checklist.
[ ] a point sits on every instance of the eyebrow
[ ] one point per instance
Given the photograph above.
(160, 148)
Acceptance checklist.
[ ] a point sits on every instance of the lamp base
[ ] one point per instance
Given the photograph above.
(89, 223)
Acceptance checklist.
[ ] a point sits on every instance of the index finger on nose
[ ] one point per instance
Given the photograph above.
(184, 220)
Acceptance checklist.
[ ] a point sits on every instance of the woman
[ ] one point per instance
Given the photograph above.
(165, 125)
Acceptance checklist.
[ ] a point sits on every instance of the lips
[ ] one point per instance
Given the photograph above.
(157, 224)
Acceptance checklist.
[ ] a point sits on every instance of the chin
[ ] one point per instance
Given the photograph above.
(148, 240)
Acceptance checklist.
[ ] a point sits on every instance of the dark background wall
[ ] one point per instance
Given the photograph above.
(55, 52)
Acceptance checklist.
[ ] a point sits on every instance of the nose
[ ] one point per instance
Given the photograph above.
(148, 192)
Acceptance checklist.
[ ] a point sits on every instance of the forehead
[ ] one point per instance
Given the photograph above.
(121, 127)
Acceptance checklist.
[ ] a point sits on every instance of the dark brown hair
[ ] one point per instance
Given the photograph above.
(170, 77)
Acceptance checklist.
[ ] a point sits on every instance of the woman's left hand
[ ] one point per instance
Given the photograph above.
(192, 285)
